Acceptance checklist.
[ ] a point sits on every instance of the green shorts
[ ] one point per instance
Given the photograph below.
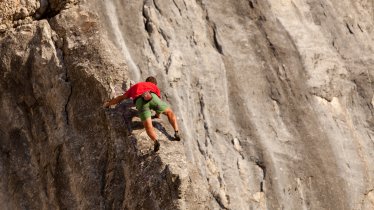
(144, 107)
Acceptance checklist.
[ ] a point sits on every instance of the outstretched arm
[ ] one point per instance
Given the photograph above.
(114, 101)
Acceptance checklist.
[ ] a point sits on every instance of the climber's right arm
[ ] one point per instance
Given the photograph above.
(114, 101)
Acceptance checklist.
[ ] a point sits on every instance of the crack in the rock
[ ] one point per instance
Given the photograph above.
(66, 105)
(157, 7)
(349, 28)
(262, 166)
(151, 44)
(202, 152)
(217, 196)
(179, 9)
(212, 28)
(217, 45)
(165, 37)
(202, 107)
(66, 79)
(168, 64)
(325, 98)
(251, 4)
(270, 43)
(218, 200)
(150, 28)
(58, 175)
(358, 25)
(103, 176)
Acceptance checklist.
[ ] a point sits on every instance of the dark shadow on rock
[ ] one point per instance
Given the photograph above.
(162, 129)
(136, 125)
(128, 112)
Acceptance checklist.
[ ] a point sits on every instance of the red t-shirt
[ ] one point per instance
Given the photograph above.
(139, 88)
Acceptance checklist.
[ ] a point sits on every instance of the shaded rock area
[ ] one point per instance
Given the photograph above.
(59, 148)
(275, 101)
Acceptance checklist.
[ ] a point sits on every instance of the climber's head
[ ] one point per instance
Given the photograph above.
(151, 79)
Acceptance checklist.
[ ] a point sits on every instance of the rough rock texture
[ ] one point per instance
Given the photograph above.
(274, 100)
(59, 148)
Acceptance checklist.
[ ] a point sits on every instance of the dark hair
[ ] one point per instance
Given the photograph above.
(151, 79)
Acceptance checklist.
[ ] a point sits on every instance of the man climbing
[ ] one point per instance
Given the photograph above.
(146, 96)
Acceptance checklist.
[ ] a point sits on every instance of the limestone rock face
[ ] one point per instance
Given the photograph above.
(275, 101)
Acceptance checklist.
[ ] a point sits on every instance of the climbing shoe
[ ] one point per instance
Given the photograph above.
(156, 146)
(176, 136)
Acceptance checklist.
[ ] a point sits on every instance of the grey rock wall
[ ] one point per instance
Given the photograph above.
(274, 100)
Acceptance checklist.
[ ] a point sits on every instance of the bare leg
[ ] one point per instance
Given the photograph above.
(172, 119)
(149, 129)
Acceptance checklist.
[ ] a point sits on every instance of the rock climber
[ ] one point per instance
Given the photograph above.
(146, 96)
